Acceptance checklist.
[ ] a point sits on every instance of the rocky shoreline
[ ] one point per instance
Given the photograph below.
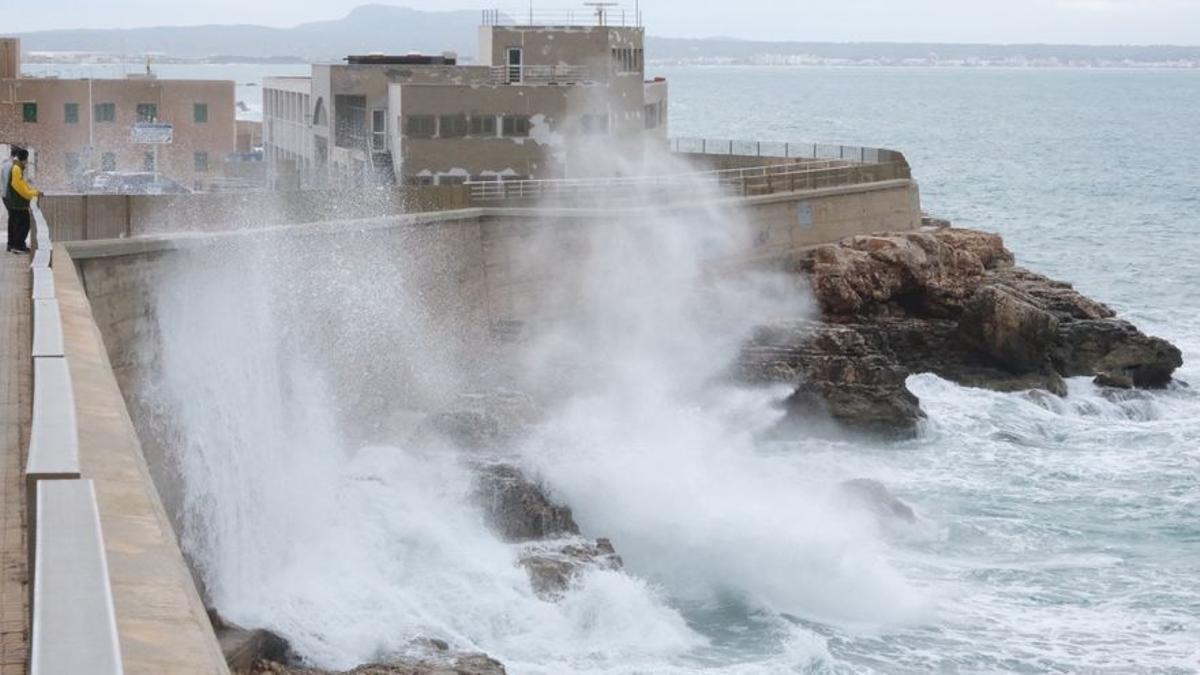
(941, 300)
(946, 301)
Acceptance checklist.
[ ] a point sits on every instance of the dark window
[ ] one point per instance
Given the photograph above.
(71, 113)
(105, 112)
(420, 126)
(594, 125)
(419, 180)
(516, 125)
(29, 112)
(108, 162)
(651, 116)
(483, 125)
(200, 113)
(148, 161)
(452, 126)
(147, 112)
(201, 162)
(319, 113)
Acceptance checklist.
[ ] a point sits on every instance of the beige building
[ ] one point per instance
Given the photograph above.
(548, 99)
(72, 126)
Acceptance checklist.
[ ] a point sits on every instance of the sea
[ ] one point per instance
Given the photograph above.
(1054, 534)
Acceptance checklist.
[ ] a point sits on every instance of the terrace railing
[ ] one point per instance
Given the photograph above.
(785, 150)
(687, 187)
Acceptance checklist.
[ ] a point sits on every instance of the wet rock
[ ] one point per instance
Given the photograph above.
(1009, 328)
(1117, 349)
(1114, 381)
(553, 565)
(242, 647)
(876, 497)
(945, 301)
(520, 509)
(442, 663)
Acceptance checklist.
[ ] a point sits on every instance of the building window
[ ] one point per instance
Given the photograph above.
(71, 113)
(420, 126)
(483, 125)
(651, 115)
(104, 112)
(147, 112)
(29, 112)
(452, 126)
(108, 162)
(516, 125)
(200, 160)
(200, 113)
(447, 179)
(379, 129)
(319, 113)
(148, 163)
(594, 125)
(419, 180)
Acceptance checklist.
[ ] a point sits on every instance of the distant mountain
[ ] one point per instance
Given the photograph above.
(369, 28)
(391, 29)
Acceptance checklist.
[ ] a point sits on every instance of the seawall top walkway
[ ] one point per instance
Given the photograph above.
(16, 390)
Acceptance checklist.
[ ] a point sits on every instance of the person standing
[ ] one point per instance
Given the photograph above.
(17, 196)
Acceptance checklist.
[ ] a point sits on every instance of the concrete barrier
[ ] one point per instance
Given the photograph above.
(41, 257)
(74, 626)
(53, 434)
(43, 283)
(47, 329)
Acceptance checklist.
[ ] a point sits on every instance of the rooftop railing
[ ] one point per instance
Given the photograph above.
(614, 16)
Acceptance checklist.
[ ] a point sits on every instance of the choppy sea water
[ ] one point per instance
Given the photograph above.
(1066, 532)
(1054, 534)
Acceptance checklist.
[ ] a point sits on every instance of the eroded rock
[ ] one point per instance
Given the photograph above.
(945, 301)
(520, 509)
(552, 566)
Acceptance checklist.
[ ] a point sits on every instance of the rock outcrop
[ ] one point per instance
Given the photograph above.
(946, 301)
(519, 509)
(437, 659)
(553, 566)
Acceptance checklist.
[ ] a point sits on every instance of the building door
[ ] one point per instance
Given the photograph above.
(514, 62)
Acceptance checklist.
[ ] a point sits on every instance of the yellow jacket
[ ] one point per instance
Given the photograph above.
(19, 185)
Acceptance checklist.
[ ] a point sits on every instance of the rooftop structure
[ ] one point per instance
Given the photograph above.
(544, 92)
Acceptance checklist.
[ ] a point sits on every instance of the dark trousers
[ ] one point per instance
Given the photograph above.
(18, 227)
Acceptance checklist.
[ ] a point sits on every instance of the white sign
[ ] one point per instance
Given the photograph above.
(153, 133)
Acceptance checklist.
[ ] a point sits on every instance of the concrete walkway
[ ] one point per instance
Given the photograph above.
(16, 390)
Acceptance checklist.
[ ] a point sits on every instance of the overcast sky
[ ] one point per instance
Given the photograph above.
(1058, 21)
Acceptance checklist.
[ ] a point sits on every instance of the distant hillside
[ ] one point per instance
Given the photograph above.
(370, 28)
(385, 28)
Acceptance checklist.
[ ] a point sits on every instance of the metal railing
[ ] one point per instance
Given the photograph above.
(542, 74)
(748, 182)
(785, 150)
(619, 17)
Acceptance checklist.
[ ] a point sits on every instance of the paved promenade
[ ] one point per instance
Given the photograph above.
(16, 389)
